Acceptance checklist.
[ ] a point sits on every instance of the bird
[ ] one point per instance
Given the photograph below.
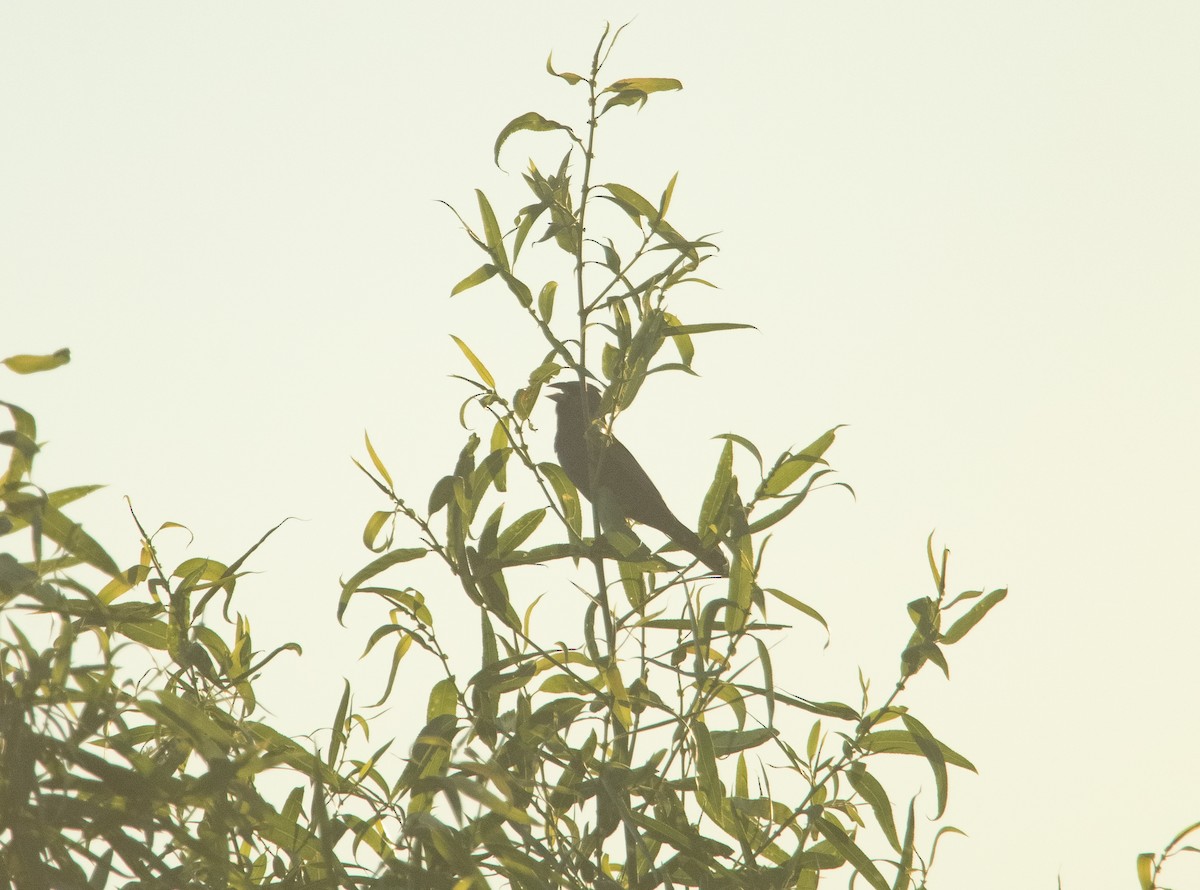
(619, 478)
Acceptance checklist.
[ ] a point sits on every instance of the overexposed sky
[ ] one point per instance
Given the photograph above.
(969, 231)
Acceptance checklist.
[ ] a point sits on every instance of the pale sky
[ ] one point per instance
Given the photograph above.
(969, 231)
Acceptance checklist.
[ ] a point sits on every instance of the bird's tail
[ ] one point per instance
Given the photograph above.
(710, 556)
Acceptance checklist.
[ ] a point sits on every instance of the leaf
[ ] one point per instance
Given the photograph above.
(513, 536)
(568, 496)
(731, 741)
(842, 842)
(375, 459)
(665, 201)
(960, 628)
(707, 327)
(33, 364)
(371, 531)
(799, 606)
(479, 367)
(897, 741)
(792, 466)
(1145, 868)
(479, 276)
(631, 202)
(491, 232)
(745, 443)
(636, 90)
(741, 568)
(373, 568)
(716, 500)
(546, 300)
(570, 78)
(73, 539)
(519, 288)
(870, 790)
(706, 763)
(530, 120)
(443, 700)
(931, 748)
(644, 85)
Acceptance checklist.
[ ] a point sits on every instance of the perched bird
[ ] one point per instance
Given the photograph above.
(620, 479)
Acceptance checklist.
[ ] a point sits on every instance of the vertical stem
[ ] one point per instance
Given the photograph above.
(620, 737)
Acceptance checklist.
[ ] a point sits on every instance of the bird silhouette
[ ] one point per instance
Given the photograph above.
(620, 479)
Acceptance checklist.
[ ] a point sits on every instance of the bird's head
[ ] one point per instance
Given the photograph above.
(570, 396)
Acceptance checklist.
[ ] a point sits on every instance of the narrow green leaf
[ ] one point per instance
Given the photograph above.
(872, 791)
(611, 260)
(443, 700)
(707, 327)
(570, 78)
(792, 466)
(546, 300)
(717, 498)
(519, 288)
(479, 276)
(959, 628)
(798, 606)
(375, 459)
(631, 202)
(664, 202)
(373, 568)
(479, 367)
(567, 494)
(706, 763)
(741, 569)
(372, 529)
(931, 748)
(530, 120)
(491, 232)
(854, 855)
(683, 343)
(71, 537)
(339, 726)
(904, 872)
(793, 501)
(1145, 870)
(745, 443)
(513, 536)
(32, 364)
(644, 85)
(814, 740)
(897, 741)
(731, 741)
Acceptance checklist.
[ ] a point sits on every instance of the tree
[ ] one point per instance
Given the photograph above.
(637, 754)
(626, 757)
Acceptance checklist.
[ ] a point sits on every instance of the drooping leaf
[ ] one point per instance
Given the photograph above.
(932, 750)
(373, 568)
(845, 845)
(530, 120)
(872, 791)
(570, 78)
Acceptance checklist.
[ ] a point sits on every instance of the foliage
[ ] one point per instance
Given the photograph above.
(130, 752)
(635, 754)
(1150, 866)
(654, 748)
